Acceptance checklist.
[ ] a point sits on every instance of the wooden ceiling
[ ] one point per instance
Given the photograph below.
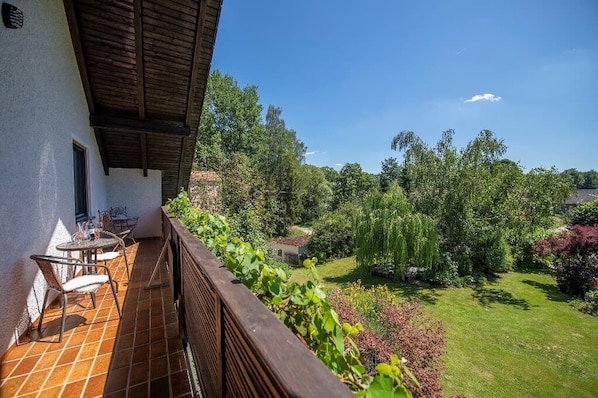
(144, 66)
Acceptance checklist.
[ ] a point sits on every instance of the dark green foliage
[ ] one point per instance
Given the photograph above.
(582, 179)
(391, 173)
(333, 235)
(584, 214)
(258, 162)
(315, 192)
(352, 185)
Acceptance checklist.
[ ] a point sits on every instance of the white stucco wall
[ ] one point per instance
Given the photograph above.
(141, 195)
(42, 110)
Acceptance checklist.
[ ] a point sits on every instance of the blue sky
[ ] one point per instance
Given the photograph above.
(351, 75)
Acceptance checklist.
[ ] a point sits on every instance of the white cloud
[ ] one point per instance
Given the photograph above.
(484, 97)
(311, 153)
(338, 164)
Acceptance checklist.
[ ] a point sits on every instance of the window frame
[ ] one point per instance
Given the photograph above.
(80, 182)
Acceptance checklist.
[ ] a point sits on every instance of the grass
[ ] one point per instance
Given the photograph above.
(513, 337)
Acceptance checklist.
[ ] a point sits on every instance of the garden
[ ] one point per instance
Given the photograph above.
(514, 336)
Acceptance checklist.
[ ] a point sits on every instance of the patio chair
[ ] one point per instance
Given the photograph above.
(109, 255)
(119, 224)
(79, 284)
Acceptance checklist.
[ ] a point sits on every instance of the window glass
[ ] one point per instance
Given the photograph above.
(80, 173)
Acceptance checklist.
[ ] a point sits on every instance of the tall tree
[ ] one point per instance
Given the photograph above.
(477, 199)
(279, 162)
(391, 172)
(230, 122)
(352, 184)
(315, 192)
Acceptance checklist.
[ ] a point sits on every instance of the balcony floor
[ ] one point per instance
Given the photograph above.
(100, 354)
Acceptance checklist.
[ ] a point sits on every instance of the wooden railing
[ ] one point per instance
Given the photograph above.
(239, 347)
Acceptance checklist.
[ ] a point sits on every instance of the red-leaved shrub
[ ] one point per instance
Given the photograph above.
(574, 253)
(392, 326)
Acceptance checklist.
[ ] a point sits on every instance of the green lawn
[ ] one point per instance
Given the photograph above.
(514, 337)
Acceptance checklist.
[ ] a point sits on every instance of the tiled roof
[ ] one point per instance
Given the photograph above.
(209, 176)
(296, 241)
(582, 196)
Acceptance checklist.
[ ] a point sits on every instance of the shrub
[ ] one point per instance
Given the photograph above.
(585, 214)
(333, 236)
(589, 304)
(574, 254)
(391, 326)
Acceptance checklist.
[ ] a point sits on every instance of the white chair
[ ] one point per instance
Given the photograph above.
(80, 284)
(109, 255)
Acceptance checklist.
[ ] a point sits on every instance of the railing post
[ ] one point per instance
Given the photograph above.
(220, 347)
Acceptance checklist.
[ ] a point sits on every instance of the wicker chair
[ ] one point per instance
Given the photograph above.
(110, 255)
(121, 229)
(80, 284)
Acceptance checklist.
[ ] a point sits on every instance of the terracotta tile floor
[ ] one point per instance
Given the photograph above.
(100, 354)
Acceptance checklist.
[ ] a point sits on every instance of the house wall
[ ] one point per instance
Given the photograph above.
(141, 195)
(42, 111)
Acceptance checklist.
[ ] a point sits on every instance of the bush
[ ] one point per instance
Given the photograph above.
(333, 236)
(589, 304)
(491, 252)
(390, 326)
(585, 214)
(575, 258)
(443, 272)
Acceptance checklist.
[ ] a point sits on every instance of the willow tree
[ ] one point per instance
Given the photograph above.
(387, 231)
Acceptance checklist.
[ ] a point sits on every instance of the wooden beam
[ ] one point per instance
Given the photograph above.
(136, 125)
(192, 84)
(139, 66)
(71, 16)
(196, 61)
(102, 149)
(137, 7)
(144, 154)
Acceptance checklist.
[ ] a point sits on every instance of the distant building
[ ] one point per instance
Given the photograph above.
(205, 190)
(290, 250)
(581, 196)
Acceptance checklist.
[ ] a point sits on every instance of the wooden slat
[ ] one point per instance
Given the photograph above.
(140, 126)
(261, 356)
(71, 15)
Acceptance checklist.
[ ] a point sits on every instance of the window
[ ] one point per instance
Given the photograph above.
(279, 252)
(80, 172)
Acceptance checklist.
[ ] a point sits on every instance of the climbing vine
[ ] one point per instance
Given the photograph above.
(303, 308)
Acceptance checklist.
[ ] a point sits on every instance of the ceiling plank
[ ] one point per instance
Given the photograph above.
(138, 12)
(137, 7)
(196, 62)
(71, 16)
(136, 125)
(192, 84)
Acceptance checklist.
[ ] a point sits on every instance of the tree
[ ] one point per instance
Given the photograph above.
(590, 180)
(391, 172)
(479, 201)
(315, 192)
(582, 179)
(352, 184)
(388, 232)
(230, 122)
(279, 163)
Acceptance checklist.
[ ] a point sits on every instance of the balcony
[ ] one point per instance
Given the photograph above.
(238, 346)
(101, 355)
